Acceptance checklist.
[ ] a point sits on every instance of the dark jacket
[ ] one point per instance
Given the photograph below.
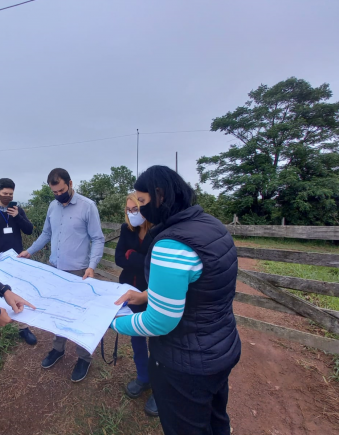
(206, 340)
(133, 268)
(18, 223)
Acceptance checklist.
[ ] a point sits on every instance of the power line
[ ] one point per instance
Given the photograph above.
(105, 138)
(18, 4)
(172, 132)
(67, 143)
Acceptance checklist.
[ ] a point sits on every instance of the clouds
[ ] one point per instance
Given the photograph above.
(83, 69)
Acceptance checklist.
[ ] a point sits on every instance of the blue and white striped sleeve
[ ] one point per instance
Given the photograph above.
(174, 266)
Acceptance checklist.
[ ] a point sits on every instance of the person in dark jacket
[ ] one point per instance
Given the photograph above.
(191, 267)
(13, 220)
(130, 254)
(13, 300)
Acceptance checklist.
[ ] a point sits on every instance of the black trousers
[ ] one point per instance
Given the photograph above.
(190, 404)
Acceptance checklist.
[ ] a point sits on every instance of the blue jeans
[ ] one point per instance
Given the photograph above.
(139, 345)
(140, 349)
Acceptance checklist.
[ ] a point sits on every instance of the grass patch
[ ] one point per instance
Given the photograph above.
(106, 230)
(335, 375)
(110, 419)
(9, 337)
(290, 244)
(112, 245)
(109, 257)
(122, 420)
(305, 271)
(316, 328)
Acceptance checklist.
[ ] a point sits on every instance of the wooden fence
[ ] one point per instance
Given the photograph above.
(273, 287)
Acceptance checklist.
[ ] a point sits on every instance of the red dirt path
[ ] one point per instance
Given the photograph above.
(278, 388)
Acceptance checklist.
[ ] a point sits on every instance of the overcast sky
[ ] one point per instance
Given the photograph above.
(79, 70)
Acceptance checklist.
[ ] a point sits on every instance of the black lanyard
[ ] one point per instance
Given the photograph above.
(115, 352)
(6, 219)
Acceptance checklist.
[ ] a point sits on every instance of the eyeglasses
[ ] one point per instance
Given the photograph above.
(133, 210)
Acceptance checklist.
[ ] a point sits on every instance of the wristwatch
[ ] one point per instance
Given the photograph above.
(4, 289)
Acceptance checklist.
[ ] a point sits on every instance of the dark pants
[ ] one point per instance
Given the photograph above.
(140, 350)
(190, 404)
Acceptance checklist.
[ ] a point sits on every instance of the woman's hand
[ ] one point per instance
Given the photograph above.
(133, 298)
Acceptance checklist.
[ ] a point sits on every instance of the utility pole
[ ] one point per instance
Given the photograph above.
(137, 152)
(176, 162)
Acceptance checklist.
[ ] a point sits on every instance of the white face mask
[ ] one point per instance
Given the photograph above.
(135, 219)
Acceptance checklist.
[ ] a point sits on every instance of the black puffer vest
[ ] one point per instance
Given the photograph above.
(206, 340)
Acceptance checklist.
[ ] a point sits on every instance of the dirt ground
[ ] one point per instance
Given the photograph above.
(278, 388)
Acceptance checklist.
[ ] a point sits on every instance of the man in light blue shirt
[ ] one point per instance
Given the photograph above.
(73, 227)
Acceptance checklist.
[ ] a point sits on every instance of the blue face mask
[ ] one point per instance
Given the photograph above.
(64, 197)
(135, 219)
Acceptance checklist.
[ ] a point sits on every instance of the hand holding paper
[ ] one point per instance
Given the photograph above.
(80, 310)
(133, 297)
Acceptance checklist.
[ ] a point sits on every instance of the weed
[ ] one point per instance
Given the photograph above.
(110, 419)
(9, 337)
(105, 374)
(106, 230)
(335, 375)
(112, 245)
(109, 257)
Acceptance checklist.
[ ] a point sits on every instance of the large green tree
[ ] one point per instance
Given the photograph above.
(100, 186)
(215, 205)
(122, 179)
(109, 192)
(37, 206)
(97, 188)
(285, 159)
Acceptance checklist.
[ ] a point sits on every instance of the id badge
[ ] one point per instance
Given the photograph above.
(8, 230)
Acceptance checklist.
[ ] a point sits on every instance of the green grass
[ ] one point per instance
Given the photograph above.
(335, 362)
(112, 245)
(106, 230)
(110, 419)
(290, 244)
(320, 273)
(116, 421)
(9, 337)
(109, 257)
(305, 271)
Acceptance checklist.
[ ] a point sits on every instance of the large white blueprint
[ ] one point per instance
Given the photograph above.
(66, 305)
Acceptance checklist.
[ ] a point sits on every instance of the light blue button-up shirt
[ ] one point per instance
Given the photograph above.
(74, 230)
